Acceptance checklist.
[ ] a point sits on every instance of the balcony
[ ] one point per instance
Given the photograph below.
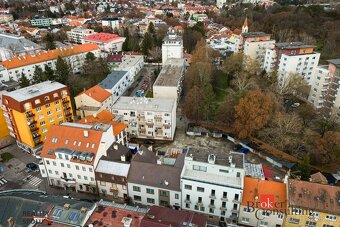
(30, 114)
(200, 204)
(224, 199)
(187, 201)
(114, 190)
(212, 196)
(211, 206)
(69, 180)
(31, 122)
(141, 116)
(65, 101)
(34, 129)
(223, 208)
(158, 117)
(236, 201)
(68, 114)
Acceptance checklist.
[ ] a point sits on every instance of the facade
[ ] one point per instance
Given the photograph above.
(112, 172)
(107, 42)
(116, 83)
(170, 80)
(92, 101)
(113, 22)
(312, 204)
(13, 68)
(133, 64)
(255, 44)
(212, 184)
(172, 47)
(30, 112)
(161, 186)
(291, 58)
(12, 45)
(71, 152)
(162, 216)
(76, 35)
(41, 22)
(255, 210)
(4, 18)
(151, 118)
(4, 131)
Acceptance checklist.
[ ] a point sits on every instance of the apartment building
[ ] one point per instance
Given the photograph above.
(172, 47)
(116, 83)
(113, 22)
(291, 58)
(212, 184)
(93, 101)
(106, 117)
(133, 64)
(112, 172)
(254, 45)
(76, 35)
(149, 118)
(13, 68)
(30, 112)
(4, 131)
(41, 22)
(312, 204)
(170, 80)
(107, 42)
(71, 152)
(161, 186)
(256, 210)
(13, 45)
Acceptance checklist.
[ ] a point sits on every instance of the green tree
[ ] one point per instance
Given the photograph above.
(305, 168)
(90, 57)
(147, 43)
(39, 75)
(49, 40)
(49, 73)
(23, 81)
(151, 28)
(63, 70)
(127, 39)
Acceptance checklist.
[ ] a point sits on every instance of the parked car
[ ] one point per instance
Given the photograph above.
(32, 166)
(244, 150)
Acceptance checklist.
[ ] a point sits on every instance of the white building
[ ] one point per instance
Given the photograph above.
(106, 41)
(172, 47)
(319, 86)
(113, 22)
(220, 3)
(151, 182)
(117, 82)
(132, 64)
(212, 184)
(74, 55)
(292, 58)
(77, 34)
(151, 118)
(170, 80)
(71, 152)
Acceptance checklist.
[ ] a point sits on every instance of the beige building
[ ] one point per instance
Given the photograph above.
(93, 101)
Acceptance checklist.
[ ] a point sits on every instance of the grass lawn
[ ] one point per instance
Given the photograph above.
(149, 94)
(6, 157)
(220, 85)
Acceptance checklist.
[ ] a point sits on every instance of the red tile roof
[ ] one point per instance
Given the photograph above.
(102, 37)
(29, 59)
(97, 93)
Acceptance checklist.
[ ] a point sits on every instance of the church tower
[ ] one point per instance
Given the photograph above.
(245, 26)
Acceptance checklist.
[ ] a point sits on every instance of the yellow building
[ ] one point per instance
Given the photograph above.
(31, 111)
(313, 204)
(3, 126)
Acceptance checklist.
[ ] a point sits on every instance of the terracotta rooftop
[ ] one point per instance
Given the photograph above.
(255, 190)
(29, 59)
(97, 93)
(102, 37)
(319, 197)
(104, 117)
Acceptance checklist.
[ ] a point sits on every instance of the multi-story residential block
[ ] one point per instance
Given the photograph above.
(106, 117)
(71, 152)
(4, 131)
(41, 22)
(212, 184)
(12, 45)
(157, 216)
(30, 112)
(112, 172)
(264, 203)
(291, 58)
(77, 34)
(13, 68)
(170, 80)
(113, 22)
(132, 64)
(151, 118)
(117, 82)
(254, 44)
(161, 186)
(172, 47)
(312, 204)
(93, 101)
(106, 41)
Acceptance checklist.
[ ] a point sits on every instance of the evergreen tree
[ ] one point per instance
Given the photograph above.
(90, 57)
(49, 40)
(147, 43)
(49, 73)
(305, 168)
(151, 28)
(127, 39)
(23, 81)
(39, 75)
(63, 71)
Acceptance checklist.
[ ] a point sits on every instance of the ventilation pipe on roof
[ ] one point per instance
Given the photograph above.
(123, 158)
(115, 146)
(86, 133)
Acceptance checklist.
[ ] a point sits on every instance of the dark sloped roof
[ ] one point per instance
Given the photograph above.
(112, 79)
(145, 155)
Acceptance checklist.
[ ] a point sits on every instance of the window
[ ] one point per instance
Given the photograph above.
(149, 200)
(90, 169)
(68, 166)
(211, 210)
(246, 210)
(200, 189)
(311, 223)
(164, 193)
(56, 102)
(202, 208)
(297, 211)
(47, 162)
(77, 167)
(85, 177)
(37, 101)
(83, 168)
(50, 171)
(187, 205)
(280, 216)
(263, 223)
(102, 183)
(137, 198)
(59, 116)
(199, 168)
(44, 130)
(224, 171)
(42, 123)
(70, 174)
(325, 225)
(92, 179)
(78, 176)
(266, 213)
(136, 188)
(150, 191)
(66, 157)
(176, 196)
(56, 172)
(245, 220)
(48, 105)
(38, 109)
(41, 116)
(49, 112)
(331, 217)
(223, 213)
(46, 98)
(294, 220)
(54, 163)
(51, 119)
(62, 165)
(188, 187)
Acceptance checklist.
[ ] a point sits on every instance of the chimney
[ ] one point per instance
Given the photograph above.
(115, 146)
(86, 133)
(122, 158)
(211, 159)
(159, 162)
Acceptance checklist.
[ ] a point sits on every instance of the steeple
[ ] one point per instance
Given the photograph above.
(245, 26)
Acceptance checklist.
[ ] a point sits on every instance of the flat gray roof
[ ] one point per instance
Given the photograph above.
(112, 79)
(35, 90)
(170, 73)
(334, 62)
(293, 45)
(144, 104)
(114, 168)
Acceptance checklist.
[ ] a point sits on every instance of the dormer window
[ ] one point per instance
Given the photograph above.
(46, 98)
(37, 101)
